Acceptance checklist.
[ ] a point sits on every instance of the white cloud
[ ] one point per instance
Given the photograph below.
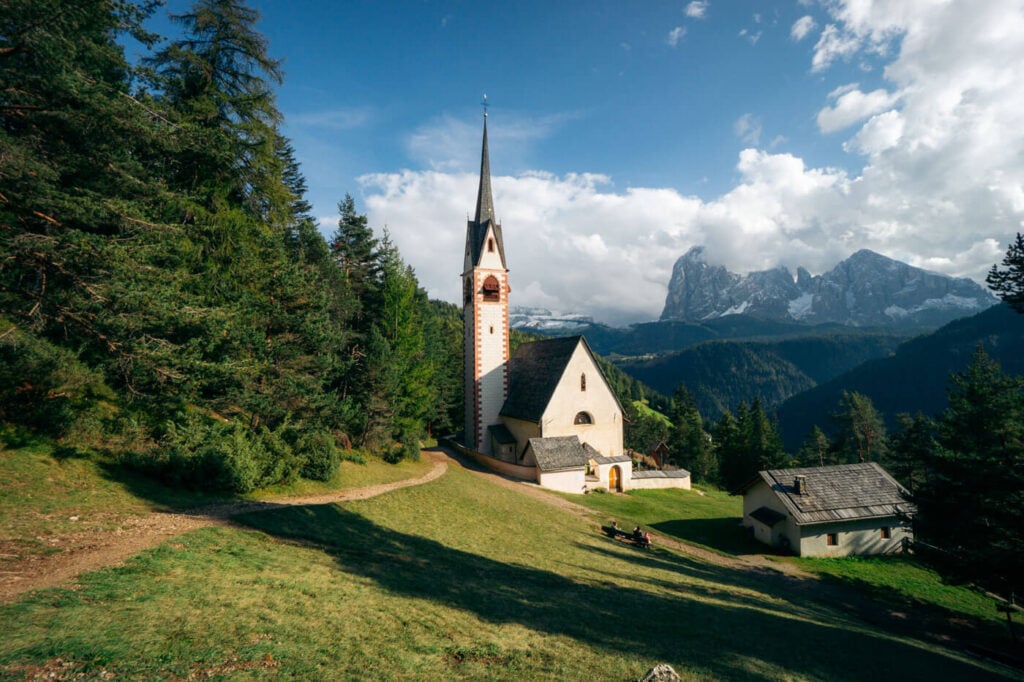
(675, 36)
(697, 9)
(748, 128)
(801, 27)
(852, 105)
(941, 185)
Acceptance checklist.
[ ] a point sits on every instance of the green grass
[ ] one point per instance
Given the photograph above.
(706, 517)
(644, 409)
(905, 584)
(455, 579)
(46, 491)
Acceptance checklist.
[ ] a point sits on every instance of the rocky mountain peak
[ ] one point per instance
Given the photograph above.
(866, 289)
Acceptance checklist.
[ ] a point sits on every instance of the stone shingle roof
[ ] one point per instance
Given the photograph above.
(536, 369)
(837, 493)
(660, 473)
(558, 452)
(617, 459)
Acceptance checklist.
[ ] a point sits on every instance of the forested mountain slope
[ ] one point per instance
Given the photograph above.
(915, 377)
(720, 374)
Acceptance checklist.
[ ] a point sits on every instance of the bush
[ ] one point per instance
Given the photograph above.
(321, 454)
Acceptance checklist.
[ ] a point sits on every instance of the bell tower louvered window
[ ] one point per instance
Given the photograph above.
(492, 289)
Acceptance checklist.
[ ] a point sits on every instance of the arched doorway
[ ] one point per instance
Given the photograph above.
(615, 479)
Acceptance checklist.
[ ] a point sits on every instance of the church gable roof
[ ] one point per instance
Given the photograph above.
(536, 369)
(558, 452)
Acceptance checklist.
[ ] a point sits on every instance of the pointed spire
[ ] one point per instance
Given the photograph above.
(484, 200)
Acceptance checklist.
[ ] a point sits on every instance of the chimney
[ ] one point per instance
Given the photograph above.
(800, 485)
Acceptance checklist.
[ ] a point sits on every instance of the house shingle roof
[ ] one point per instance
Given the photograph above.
(837, 493)
(536, 368)
(558, 452)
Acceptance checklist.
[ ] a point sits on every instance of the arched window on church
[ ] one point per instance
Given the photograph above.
(583, 382)
(492, 289)
(583, 418)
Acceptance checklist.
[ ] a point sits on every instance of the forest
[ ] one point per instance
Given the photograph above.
(165, 293)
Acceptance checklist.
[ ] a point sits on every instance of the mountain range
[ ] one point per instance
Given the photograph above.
(866, 289)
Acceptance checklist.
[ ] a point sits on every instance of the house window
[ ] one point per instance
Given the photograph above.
(832, 539)
(492, 290)
(886, 532)
(583, 382)
(490, 245)
(583, 418)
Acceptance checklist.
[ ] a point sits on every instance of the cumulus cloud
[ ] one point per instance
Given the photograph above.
(852, 105)
(936, 180)
(697, 9)
(802, 27)
(675, 36)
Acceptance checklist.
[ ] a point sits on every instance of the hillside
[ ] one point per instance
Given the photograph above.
(720, 374)
(469, 577)
(915, 377)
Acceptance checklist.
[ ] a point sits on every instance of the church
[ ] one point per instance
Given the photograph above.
(546, 413)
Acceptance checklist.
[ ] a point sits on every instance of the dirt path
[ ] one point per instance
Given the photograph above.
(92, 551)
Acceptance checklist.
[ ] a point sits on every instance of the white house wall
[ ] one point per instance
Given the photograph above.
(605, 434)
(853, 537)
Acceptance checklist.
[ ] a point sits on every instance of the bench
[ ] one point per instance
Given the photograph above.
(625, 536)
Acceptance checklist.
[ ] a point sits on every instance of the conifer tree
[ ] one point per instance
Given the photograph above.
(1008, 283)
(909, 449)
(815, 451)
(861, 429)
(969, 502)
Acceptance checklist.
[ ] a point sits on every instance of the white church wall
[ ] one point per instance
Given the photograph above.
(570, 481)
(569, 399)
(523, 432)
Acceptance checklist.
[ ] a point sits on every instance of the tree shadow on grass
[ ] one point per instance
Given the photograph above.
(724, 534)
(720, 631)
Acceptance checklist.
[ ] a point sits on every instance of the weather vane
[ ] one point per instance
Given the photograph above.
(484, 104)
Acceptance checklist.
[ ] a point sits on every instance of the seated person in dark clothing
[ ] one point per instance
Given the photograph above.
(637, 533)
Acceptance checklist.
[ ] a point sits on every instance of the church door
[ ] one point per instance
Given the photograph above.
(615, 479)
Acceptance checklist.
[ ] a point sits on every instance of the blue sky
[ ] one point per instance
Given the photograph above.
(624, 132)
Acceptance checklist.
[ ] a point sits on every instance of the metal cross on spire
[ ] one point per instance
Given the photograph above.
(484, 104)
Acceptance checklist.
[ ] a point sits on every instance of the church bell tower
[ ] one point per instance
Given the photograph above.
(485, 291)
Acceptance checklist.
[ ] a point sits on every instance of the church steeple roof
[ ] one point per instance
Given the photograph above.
(483, 219)
(484, 200)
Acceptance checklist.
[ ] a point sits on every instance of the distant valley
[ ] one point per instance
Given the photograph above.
(795, 343)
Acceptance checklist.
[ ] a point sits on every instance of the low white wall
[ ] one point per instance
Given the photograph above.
(659, 483)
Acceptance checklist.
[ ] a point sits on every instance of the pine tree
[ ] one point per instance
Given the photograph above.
(861, 429)
(1008, 283)
(909, 448)
(815, 451)
(970, 502)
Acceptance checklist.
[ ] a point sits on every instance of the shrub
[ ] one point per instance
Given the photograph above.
(321, 455)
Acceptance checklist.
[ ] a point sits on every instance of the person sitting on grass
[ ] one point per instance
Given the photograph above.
(637, 533)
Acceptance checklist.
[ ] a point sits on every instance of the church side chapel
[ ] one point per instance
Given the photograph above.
(547, 413)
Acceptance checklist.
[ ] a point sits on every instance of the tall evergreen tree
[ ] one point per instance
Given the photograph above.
(861, 429)
(816, 450)
(1008, 283)
(909, 449)
(970, 502)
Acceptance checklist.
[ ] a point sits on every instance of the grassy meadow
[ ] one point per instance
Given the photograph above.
(459, 578)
